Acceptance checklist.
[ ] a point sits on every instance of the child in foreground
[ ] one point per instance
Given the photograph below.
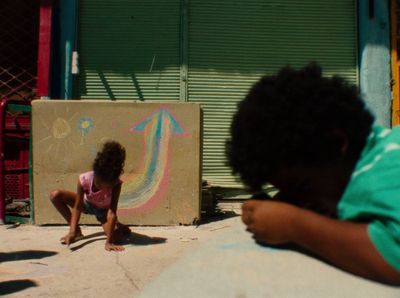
(337, 173)
(97, 194)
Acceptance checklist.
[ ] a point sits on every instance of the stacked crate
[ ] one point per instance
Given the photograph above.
(15, 140)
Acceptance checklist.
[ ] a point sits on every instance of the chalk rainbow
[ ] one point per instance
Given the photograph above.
(144, 189)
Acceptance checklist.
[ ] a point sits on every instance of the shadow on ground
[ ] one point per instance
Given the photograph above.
(133, 238)
(12, 286)
(140, 239)
(25, 255)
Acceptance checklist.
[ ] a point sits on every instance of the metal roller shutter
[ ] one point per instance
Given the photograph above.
(129, 49)
(143, 50)
(232, 43)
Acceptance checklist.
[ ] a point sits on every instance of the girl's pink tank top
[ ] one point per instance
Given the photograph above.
(100, 199)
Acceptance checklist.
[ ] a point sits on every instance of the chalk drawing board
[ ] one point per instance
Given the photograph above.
(162, 174)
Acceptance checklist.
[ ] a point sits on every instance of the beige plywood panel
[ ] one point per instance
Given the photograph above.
(162, 177)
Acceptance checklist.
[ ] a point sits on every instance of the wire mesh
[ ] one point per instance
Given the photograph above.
(19, 23)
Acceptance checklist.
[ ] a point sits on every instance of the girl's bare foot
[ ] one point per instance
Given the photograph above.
(113, 247)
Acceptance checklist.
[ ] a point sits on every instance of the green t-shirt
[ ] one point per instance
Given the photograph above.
(373, 192)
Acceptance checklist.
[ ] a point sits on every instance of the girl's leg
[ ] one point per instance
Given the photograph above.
(63, 200)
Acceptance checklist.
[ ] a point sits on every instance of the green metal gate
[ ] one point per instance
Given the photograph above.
(233, 43)
(129, 49)
(209, 52)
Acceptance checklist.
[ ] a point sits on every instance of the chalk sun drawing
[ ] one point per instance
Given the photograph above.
(143, 190)
(58, 139)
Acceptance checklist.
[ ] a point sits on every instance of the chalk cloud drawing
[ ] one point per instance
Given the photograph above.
(85, 125)
(144, 189)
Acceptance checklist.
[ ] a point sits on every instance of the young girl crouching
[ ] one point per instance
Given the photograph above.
(97, 194)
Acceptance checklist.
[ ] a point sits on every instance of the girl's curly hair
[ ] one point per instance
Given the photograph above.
(291, 118)
(109, 162)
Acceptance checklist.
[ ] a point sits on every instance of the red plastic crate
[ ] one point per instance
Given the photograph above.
(16, 157)
(19, 124)
(16, 187)
(15, 125)
(18, 121)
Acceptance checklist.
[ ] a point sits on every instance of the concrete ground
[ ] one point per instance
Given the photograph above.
(34, 264)
(232, 265)
(217, 259)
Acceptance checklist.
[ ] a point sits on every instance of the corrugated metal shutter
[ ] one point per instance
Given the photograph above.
(133, 50)
(233, 42)
(129, 49)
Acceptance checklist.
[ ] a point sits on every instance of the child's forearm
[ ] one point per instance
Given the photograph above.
(344, 244)
(110, 226)
(77, 209)
(75, 216)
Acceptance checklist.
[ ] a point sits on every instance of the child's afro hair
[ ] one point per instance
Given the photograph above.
(295, 118)
(109, 162)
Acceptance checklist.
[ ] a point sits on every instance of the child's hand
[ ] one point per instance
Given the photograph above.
(111, 247)
(71, 238)
(68, 239)
(271, 222)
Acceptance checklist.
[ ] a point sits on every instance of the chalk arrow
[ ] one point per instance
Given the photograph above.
(148, 185)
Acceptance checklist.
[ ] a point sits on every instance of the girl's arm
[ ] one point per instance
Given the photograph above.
(75, 214)
(342, 243)
(109, 226)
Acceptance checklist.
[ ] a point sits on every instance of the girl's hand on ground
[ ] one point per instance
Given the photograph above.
(269, 221)
(112, 247)
(71, 238)
(68, 239)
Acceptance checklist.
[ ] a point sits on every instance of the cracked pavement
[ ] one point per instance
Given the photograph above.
(34, 264)
(218, 259)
